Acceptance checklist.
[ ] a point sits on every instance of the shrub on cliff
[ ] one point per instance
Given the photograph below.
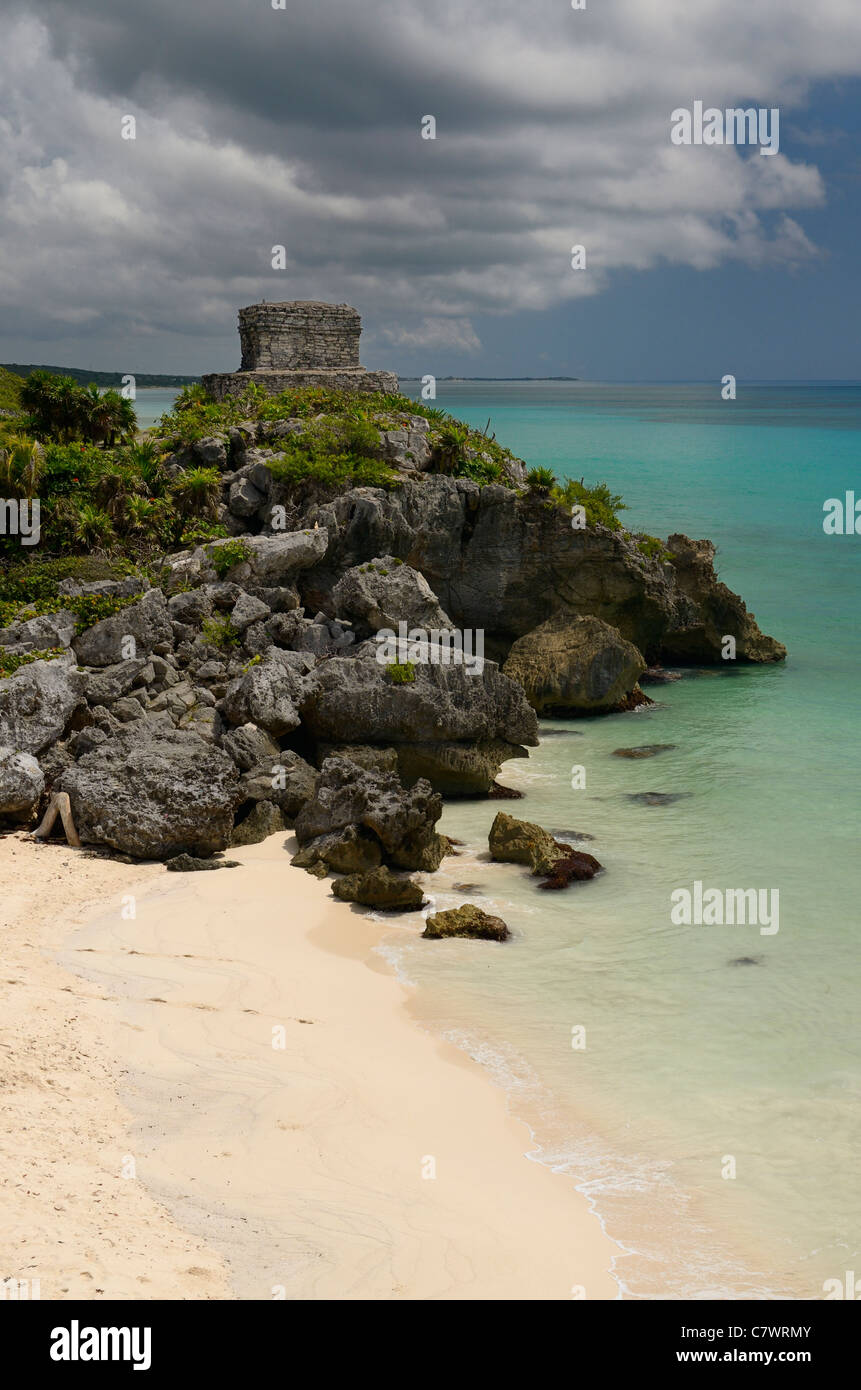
(337, 454)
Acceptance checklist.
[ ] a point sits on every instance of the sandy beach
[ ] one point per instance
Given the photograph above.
(212, 1088)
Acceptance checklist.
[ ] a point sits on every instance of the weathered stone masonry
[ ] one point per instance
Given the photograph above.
(299, 343)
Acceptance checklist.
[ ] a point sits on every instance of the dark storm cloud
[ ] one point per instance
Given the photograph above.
(259, 127)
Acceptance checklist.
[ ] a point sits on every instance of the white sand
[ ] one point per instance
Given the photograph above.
(261, 1171)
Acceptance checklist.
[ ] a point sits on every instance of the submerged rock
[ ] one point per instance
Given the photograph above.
(576, 866)
(380, 888)
(644, 750)
(575, 664)
(468, 920)
(656, 798)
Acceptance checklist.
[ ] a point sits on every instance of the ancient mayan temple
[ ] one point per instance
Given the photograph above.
(300, 343)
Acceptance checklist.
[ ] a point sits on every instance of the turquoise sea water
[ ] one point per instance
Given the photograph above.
(695, 1064)
(693, 1061)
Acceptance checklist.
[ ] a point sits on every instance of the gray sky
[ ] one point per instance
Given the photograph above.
(301, 127)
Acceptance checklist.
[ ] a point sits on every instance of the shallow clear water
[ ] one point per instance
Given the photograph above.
(152, 402)
(693, 1061)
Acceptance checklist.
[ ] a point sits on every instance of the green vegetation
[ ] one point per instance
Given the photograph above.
(653, 548)
(334, 454)
(228, 554)
(10, 390)
(401, 672)
(541, 481)
(9, 664)
(99, 488)
(599, 503)
(58, 408)
(220, 632)
(87, 608)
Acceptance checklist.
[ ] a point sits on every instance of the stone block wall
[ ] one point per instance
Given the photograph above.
(299, 335)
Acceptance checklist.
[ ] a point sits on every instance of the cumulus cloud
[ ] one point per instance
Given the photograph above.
(258, 127)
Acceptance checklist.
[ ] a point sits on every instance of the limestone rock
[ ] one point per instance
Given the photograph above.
(250, 747)
(468, 920)
(21, 784)
(380, 888)
(515, 841)
(385, 592)
(153, 794)
(457, 769)
(288, 781)
(506, 563)
(718, 612)
(573, 664)
(352, 850)
(268, 694)
(352, 699)
(403, 821)
(263, 820)
(37, 702)
(40, 634)
(147, 622)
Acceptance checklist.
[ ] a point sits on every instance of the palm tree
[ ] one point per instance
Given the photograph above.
(195, 493)
(91, 527)
(541, 481)
(118, 415)
(21, 462)
(145, 460)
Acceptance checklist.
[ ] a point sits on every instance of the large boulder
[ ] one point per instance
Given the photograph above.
(43, 633)
(275, 560)
(153, 794)
(380, 888)
(37, 702)
(402, 820)
(264, 819)
(515, 841)
(21, 784)
(250, 747)
(261, 561)
(453, 726)
(269, 693)
(574, 665)
(288, 781)
(384, 593)
(407, 446)
(352, 850)
(147, 622)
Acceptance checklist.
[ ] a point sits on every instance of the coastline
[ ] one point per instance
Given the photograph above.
(295, 1171)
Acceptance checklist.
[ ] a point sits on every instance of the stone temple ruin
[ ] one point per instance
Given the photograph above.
(299, 343)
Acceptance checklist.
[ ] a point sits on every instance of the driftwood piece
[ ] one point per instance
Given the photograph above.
(59, 805)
